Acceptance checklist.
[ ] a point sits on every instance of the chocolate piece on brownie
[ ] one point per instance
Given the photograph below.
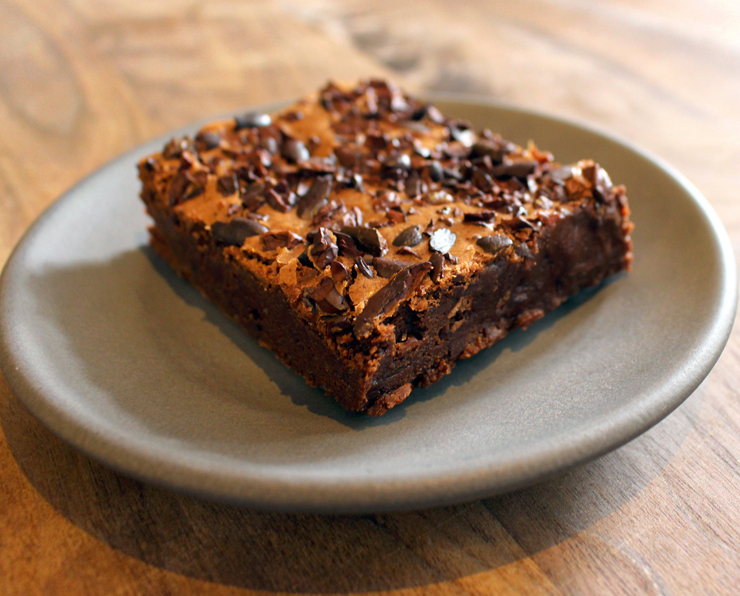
(371, 243)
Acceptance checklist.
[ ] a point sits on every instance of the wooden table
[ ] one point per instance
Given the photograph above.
(82, 81)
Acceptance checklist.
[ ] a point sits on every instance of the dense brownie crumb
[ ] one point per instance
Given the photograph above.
(371, 242)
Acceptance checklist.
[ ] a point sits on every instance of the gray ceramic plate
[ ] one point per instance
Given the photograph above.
(128, 363)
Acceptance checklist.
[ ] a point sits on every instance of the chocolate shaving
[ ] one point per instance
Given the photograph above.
(400, 287)
(235, 232)
(405, 250)
(363, 268)
(339, 272)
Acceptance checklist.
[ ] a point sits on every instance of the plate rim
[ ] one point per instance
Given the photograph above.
(326, 496)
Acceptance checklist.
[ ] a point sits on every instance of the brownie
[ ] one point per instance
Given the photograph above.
(371, 242)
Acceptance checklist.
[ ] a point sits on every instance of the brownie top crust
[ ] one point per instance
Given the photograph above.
(360, 196)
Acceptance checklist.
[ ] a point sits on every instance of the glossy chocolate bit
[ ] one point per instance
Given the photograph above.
(175, 147)
(227, 185)
(485, 216)
(400, 287)
(438, 266)
(339, 273)
(294, 151)
(436, 172)
(387, 268)
(315, 198)
(207, 140)
(561, 174)
(462, 134)
(178, 187)
(442, 240)
(518, 169)
(286, 239)
(327, 298)
(235, 232)
(397, 162)
(482, 180)
(253, 198)
(277, 201)
(348, 157)
(363, 267)
(323, 251)
(413, 185)
(524, 251)
(491, 149)
(494, 243)
(405, 250)
(411, 236)
(429, 112)
(367, 239)
(252, 120)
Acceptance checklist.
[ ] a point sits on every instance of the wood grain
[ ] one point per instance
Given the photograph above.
(82, 81)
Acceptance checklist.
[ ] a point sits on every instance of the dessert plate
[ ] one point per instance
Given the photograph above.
(131, 365)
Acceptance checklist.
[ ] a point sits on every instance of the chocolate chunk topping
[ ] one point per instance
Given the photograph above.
(389, 267)
(227, 185)
(490, 148)
(436, 172)
(294, 151)
(276, 201)
(442, 240)
(400, 286)
(275, 240)
(494, 243)
(315, 198)
(323, 250)
(517, 169)
(209, 140)
(482, 180)
(363, 268)
(252, 120)
(178, 186)
(347, 246)
(486, 216)
(398, 162)
(405, 250)
(327, 298)
(411, 236)
(438, 266)
(562, 173)
(368, 239)
(347, 156)
(235, 232)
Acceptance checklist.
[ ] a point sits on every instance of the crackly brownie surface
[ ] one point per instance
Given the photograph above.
(377, 227)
